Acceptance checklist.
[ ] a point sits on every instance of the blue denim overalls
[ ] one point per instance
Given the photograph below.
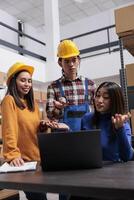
(74, 113)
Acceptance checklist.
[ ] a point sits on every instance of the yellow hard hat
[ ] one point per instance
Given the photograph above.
(18, 66)
(67, 49)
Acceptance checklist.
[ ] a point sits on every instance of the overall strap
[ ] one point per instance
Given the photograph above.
(86, 89)
(60, 88)
(62, 92)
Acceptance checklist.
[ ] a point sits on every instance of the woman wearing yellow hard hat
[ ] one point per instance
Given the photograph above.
(20, 120)
(69, 97)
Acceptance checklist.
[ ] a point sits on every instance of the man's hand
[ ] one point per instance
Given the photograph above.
(61, 103)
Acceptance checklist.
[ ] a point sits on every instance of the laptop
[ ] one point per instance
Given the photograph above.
(70, 150)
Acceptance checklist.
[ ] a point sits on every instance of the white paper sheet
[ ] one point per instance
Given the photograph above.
(27, 166)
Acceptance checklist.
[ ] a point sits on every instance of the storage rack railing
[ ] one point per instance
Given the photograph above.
(19, 48)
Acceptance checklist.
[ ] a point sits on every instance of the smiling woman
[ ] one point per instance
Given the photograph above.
(20, 120)
(24, 83)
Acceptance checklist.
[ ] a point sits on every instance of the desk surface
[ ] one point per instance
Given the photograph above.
(113, 180)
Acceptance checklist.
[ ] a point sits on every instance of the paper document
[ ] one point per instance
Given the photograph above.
(27, 166)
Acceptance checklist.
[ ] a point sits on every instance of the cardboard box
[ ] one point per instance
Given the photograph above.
(43, 96)
(131, 51)
(128, 43)
(130, 93)
(0, 133)
(124, 20)
(37, 95)
(132, 120)
(130, 74)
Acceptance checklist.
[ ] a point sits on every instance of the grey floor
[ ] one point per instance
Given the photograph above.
(49, 196)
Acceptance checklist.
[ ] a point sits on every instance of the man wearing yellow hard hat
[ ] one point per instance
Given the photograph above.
(69, 97)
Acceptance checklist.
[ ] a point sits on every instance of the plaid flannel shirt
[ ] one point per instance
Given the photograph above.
(74, 92)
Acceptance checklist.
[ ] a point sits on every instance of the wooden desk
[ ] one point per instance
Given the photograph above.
(111, 181)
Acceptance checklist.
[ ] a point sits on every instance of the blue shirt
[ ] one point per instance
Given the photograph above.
(120, 148)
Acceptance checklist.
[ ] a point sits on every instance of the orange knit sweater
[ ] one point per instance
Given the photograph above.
(19, 131)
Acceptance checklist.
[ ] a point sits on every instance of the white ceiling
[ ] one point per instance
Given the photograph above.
(31, 11)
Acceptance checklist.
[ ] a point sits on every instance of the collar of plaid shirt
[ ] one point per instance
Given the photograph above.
(63, 78)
